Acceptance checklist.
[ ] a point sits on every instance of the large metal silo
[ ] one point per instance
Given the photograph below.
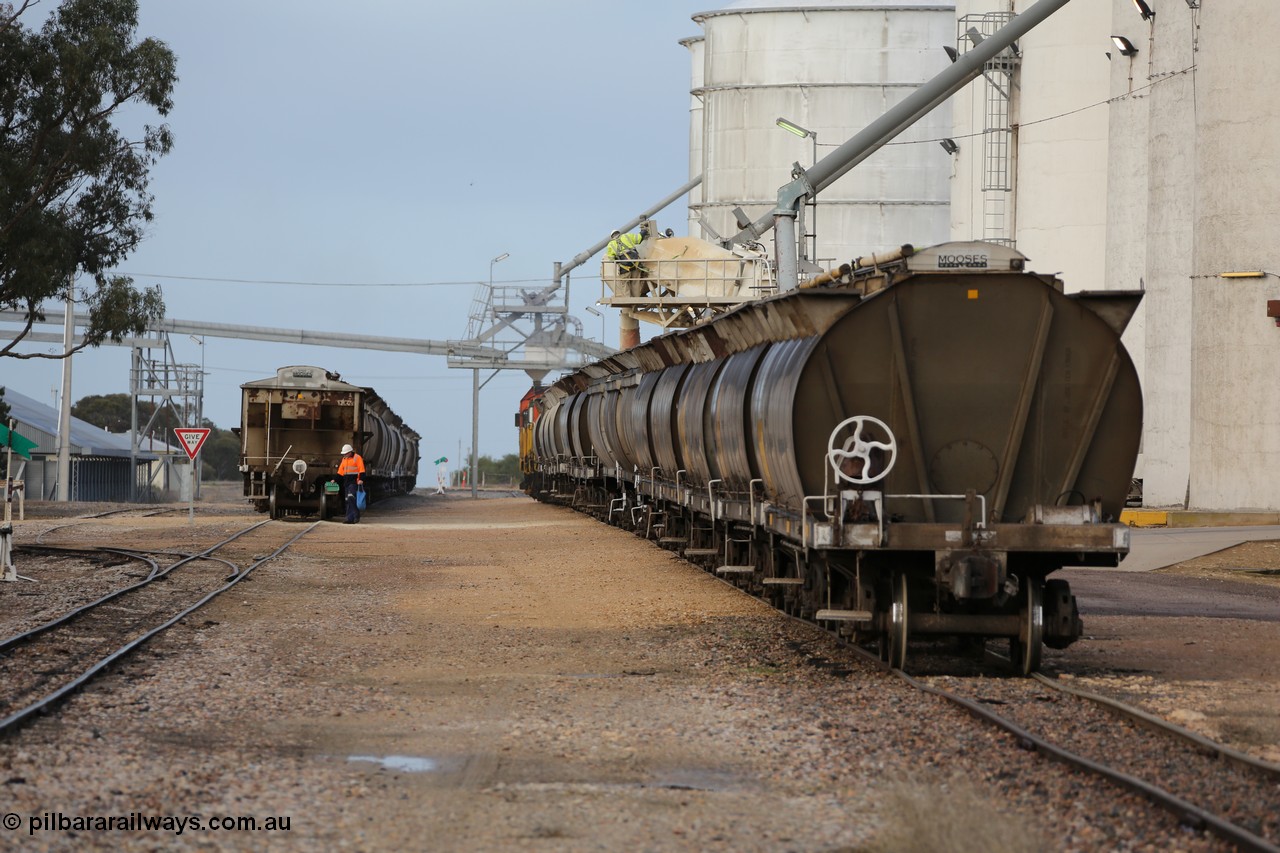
(830, 68)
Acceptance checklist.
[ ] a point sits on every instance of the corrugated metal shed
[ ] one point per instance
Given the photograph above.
(100, 465)
(41, 426)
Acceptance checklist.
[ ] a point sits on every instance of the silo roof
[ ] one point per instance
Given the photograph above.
(738, 6)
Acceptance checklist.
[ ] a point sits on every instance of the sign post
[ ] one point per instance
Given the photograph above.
(23, 445)
(191, 439)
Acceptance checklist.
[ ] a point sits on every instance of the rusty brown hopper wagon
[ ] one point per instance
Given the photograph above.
(292, 427)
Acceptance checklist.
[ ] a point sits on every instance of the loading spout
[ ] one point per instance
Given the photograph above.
(809, 182)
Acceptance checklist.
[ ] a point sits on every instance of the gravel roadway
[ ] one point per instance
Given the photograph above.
(462, 675)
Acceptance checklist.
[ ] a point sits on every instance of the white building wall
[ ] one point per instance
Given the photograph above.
(831, 70)
(1175, 181)
(1060, 199)
(1235, 347)
(1127, 209)
(1062, 154)
(1151, 218)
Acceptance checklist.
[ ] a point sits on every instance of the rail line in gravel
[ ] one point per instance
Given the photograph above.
(142, 511)
(47, 663)
(1237, 800)
(1205, 784)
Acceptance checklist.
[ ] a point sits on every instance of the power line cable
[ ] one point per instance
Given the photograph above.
(1116, 99)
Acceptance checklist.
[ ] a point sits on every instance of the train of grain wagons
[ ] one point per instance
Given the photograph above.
(909, 447)
(292, 427)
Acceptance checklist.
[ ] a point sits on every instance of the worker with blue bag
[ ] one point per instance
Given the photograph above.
(351, 470)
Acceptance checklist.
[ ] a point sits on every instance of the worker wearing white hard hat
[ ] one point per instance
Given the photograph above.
(625, 249)
(351, 470)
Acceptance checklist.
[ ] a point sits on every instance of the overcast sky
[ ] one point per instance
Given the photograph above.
(394, 142)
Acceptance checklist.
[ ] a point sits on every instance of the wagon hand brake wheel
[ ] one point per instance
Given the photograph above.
(855, 447)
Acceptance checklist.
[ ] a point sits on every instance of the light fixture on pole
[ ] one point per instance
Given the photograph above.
(1123, 45)
(1143, 9)
(803, 132)
(501, 257)
(599, 314)
(952, 53)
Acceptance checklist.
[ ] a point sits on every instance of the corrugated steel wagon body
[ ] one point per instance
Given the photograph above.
(292, 428)
(911, 449)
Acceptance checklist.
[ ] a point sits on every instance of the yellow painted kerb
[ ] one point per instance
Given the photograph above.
(1144, 518)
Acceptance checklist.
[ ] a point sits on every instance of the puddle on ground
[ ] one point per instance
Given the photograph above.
(407, 763)
(696, 779)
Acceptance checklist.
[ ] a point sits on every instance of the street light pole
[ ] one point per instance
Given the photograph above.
(64, 403)
(599, 314)
(475, 396)
(803, 132)
(501, 257)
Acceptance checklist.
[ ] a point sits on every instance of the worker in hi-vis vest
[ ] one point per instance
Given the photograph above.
(624, 250)
(351, 470)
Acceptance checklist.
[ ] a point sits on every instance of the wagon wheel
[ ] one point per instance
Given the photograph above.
(324, 506)
(273, 506)
(898, 632)
(1024, 649)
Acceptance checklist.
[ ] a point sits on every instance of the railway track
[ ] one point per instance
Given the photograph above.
(1205, 785)
(139, 511)
(45, 664)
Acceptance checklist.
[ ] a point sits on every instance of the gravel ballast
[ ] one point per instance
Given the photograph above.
(492, 675)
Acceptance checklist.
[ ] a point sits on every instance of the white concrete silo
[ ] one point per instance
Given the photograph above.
(830, 68)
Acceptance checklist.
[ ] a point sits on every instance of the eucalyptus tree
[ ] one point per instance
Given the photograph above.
(74, 198)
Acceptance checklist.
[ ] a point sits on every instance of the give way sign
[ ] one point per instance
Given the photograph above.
(191, 439)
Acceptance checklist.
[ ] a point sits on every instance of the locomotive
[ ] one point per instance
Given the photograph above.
(292, 426)
(907, 446)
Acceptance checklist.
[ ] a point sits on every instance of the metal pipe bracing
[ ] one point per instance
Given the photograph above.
(296, 336)
(587, 254)
(875, 135)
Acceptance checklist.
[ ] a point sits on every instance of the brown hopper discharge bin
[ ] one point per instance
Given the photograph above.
(947, 420)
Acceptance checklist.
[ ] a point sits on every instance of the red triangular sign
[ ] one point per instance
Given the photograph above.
(191, 440)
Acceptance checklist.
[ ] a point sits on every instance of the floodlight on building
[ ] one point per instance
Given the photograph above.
(1123, 45)
(1194, 4)
(1143, 9)
(792, 127)
(952, 53)
(974, 36)
(949, 146)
